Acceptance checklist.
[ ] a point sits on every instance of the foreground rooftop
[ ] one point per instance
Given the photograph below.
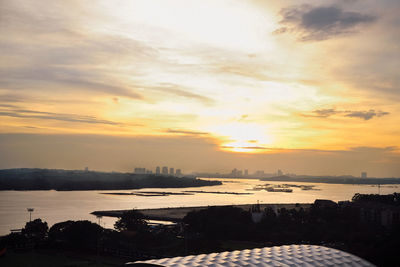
(293, 255)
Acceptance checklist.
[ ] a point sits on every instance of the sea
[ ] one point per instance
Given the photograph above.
(58, 206)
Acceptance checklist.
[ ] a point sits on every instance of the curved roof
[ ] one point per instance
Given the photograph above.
(293, 255)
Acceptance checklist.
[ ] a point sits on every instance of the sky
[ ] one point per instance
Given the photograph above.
(309, 87)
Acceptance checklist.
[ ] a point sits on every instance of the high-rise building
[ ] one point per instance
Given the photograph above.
(178, 172)
(246, 172)
(364, 175)
(239, 173)
(86, 169)
(259, 173)
(171, 171)
(164, 170)
(140, 170)
(280, 173)
(158, 171)
(234, 172)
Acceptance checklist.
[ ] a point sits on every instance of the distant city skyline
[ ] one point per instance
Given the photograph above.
(158, 171)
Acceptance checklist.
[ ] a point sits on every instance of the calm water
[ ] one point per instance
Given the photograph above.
(54, 206)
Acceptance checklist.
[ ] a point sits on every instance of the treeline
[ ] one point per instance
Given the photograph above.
(225, 228)
(47, 179)
(333, 179)
(132, 240)
(325, 223)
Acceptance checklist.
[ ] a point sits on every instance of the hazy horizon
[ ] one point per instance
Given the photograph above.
(302, 86)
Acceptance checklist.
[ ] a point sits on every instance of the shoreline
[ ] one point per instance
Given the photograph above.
(176, 214)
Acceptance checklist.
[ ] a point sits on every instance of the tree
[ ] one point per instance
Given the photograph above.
(36, 229)
(131, 221)
(224, 222)
(76, 234)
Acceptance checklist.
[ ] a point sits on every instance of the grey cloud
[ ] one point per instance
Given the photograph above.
(366, 115)
(322, 22)
(61, 58)
(34, 17)
(325, 112)
(33, 114)
(177, 131)
(31, 77)
(180, 91)
(55, 52)
(367, 149)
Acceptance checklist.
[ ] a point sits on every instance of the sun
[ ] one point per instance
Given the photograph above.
(243, 137)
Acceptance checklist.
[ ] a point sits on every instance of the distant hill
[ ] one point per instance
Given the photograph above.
(48, 179)
(333, 179)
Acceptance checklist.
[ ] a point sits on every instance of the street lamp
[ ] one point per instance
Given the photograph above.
(99, 218)
(30, 210)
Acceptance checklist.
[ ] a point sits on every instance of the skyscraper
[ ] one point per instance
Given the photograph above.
(178, 172)
(171, 171)
(158, 170)
(234, 172)
(164, 170)
(364, 175)
(140, 170)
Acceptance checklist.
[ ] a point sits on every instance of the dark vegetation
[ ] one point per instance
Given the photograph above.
(45, 179)
(359, 227)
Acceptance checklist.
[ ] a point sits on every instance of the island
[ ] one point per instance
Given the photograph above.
(66, 180)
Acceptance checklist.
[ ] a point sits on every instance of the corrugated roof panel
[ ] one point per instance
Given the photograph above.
(293, 255)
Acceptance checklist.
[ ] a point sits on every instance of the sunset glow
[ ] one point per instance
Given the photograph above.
(241, 77)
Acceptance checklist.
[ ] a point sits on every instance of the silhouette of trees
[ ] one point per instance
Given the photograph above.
(36, 230)
(131, 221)
(75, 234)
(392, 199)
(219, 222)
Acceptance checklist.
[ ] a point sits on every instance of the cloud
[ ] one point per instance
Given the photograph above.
(319, 23)
(366, 115)
(59, 78)
(48, 49)
(247, 147)
(367, 149)
(33, 114)
(181, 91)
(325, 112)
(177, 131)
